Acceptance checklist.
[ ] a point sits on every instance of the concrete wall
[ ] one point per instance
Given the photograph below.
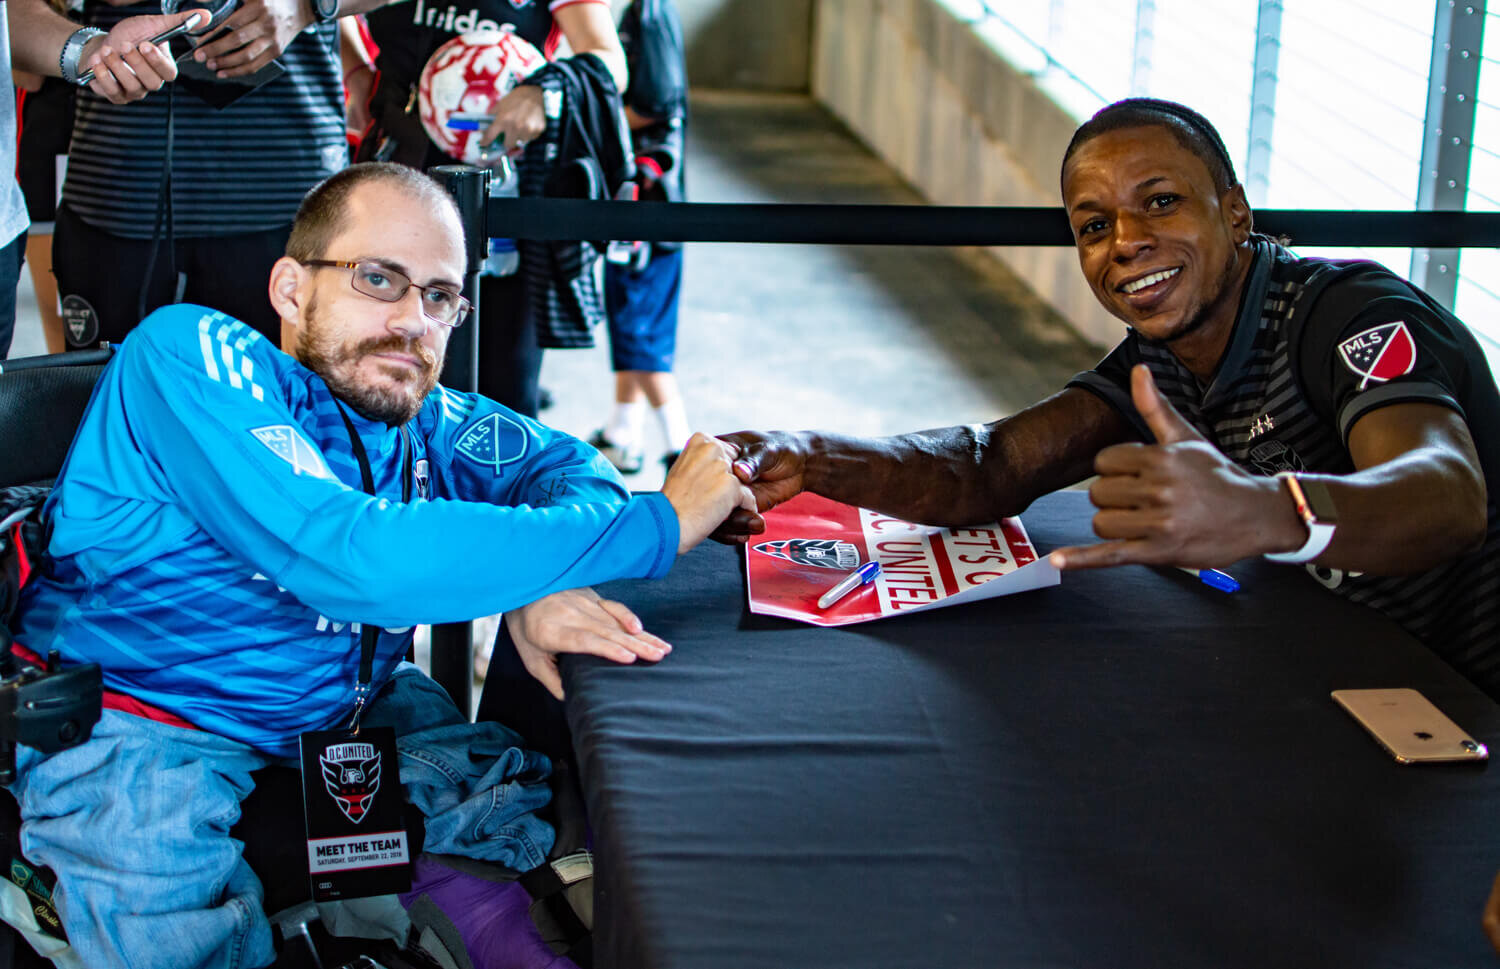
(958, 121)
(757, 44)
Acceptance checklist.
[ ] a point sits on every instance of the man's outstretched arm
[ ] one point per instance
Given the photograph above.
(962, 475)
(1417, 497)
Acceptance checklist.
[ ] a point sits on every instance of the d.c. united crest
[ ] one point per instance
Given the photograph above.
(351, 773)
(825, 553)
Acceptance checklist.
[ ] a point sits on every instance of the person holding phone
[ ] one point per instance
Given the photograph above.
(1312, 411)
(36, 38)
(190, 192)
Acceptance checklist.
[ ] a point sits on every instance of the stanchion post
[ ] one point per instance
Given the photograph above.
(469, 187)
(452, 643)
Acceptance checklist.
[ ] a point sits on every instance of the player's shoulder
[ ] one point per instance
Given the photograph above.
(192, 331)
(1333, 292)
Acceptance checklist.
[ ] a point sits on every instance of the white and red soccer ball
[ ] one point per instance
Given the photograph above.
(461, 83)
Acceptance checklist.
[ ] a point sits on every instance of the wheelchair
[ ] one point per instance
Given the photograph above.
(42, 401)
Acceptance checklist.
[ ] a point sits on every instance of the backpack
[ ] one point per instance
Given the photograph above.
(651, 34)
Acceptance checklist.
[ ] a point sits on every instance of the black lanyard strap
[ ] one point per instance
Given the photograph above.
(369, 633)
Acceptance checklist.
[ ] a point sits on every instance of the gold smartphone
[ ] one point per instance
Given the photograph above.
(1409, 726)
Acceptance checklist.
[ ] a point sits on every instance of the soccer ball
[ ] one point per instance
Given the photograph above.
(462, 81)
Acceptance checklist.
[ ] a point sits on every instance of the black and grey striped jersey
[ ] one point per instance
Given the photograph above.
(237, 169)
(1317, 345)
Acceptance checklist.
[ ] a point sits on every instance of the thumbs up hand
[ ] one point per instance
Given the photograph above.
(1179, 501)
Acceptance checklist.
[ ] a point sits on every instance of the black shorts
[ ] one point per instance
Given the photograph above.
(100, 277)
(46, 124)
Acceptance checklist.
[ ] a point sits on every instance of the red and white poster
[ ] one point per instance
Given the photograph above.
(811, 543)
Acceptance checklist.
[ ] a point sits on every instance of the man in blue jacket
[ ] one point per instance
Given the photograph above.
(230, 516)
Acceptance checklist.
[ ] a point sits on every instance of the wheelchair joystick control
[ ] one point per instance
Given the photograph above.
(49, 709)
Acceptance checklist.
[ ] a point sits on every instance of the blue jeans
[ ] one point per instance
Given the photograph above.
(11, 258)
(136, 821)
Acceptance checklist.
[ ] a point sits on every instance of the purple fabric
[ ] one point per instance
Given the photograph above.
(492, 917)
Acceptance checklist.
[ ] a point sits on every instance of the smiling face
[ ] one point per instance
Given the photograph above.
(1161, 248)
(381, 358)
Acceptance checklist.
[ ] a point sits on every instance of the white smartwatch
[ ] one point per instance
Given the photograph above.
(1318, 512)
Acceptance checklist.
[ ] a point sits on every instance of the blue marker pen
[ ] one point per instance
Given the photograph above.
(1222, 581)
(848, 583)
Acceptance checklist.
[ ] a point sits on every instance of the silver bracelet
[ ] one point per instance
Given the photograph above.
(72, 52)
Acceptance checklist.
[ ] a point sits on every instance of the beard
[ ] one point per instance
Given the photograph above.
(394, 401)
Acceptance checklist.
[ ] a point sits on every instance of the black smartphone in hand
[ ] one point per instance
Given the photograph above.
(218, 91)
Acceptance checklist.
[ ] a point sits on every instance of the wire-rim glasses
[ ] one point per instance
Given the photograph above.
(377, 281)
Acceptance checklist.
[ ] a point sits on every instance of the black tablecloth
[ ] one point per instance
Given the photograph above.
(1130, 769)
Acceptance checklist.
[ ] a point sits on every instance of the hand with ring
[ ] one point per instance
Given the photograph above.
(518, 118)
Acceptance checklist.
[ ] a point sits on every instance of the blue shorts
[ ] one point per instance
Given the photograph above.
(643, 313)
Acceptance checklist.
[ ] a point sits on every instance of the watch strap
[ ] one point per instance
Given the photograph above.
(72, 52)
(1319, 533)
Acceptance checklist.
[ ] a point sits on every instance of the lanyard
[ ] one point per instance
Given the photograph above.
(369, 633)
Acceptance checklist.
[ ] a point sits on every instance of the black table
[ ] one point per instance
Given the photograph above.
(1130, 769)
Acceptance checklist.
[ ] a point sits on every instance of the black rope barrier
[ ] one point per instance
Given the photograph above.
(939, 225)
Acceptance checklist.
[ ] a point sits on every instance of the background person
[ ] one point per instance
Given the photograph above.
(193, 198)
(46, 43)
(642, 300)
(1241, 362)
(45, 115)
(227, 518)
(510, 358)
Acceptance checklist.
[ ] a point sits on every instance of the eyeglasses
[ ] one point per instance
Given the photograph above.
(388, 285)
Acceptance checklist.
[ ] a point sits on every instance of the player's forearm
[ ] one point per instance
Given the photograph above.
(1406, 515)
(972, 473)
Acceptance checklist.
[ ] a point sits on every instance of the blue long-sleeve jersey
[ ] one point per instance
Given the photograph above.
(213, 550)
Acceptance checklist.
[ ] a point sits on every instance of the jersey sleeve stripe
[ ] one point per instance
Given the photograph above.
(206, 344)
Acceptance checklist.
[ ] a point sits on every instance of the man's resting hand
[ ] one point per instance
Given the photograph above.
(703, 490)
(578, 621)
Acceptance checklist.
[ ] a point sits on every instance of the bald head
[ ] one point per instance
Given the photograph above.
(325, 211)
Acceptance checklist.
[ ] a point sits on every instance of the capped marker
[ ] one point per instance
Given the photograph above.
(1213, 578)
(849, 583)
(468, 121)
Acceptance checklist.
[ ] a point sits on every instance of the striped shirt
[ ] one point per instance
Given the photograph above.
(212, 550)
(238, 169)
(1317, 345)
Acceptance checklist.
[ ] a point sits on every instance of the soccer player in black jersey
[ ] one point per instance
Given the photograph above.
(1310, 410)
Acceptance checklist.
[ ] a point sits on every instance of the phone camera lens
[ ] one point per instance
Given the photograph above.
(1469, 745)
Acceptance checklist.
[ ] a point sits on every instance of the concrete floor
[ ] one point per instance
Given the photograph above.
(868, 340)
